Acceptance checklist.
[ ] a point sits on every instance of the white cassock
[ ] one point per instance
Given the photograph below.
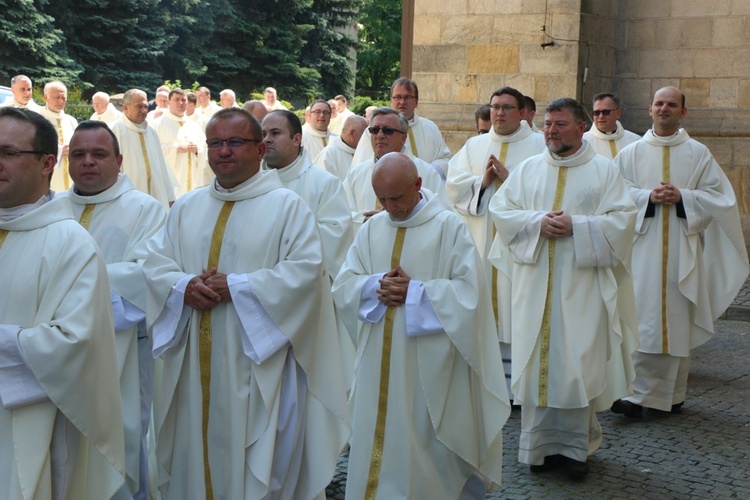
(609, 144)
(65, 126)
(464, 188)
(314, 141)
(277, 411)
(208, 111)
(273, 107)
(572, 342)
(60, 418)
(109, 116)
(446, 402)
(31, 105)
(424, 142)
(155, 114)
(121, 221)
(336, 158)
(187, 168)
(706, 262)
(200, 119)
(143, 160)
(337, 124)
(361, 196)
(325, 196)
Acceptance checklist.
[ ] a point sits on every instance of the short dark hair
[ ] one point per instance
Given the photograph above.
(529, 103)
(483, 113)
(175, 91)
(575, 107)
(295, 126)
(405, 82)
(227, 113)
(319, 101)
(96, 124)
(520, 99)
(45, 135)
(191, 97)
(604, 95)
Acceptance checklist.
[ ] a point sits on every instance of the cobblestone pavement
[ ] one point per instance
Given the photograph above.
(704, 452)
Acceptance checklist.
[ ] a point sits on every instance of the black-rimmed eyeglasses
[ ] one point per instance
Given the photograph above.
(12, 154)
(232, 142)
(603, 112)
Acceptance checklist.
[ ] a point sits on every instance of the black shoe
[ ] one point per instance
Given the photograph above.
(630, 410)
(677, 408)
(575, 470)
(550, 462)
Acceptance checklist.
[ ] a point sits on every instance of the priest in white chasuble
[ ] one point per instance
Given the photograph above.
(428, 400)
(122, 220)
(564, 221)
(689, 255)
(252, 398)
(142, 157)
(61, 428)
(183, 143)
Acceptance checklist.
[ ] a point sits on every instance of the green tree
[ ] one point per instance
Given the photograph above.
(327, 48)
(379, 55)
(31, 45)
(115, 41)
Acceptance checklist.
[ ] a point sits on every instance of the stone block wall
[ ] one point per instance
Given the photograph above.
(466, 49)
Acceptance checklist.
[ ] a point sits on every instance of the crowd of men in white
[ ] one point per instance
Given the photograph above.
(208, 301)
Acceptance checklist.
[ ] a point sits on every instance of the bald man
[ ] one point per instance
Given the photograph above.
(337, 156)
(423, 320)
(104, 111)
(256, 108)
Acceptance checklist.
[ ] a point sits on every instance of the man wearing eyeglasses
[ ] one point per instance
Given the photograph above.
(423, 140)
(315, 134)
(61, 430)
(474, 176)
(606, 134)
(183, 143)
(252, 399)
(689, 256)
(142, 156)
(387, 134)
(121, 219)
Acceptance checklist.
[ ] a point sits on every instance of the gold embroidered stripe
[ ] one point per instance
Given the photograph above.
(562, 174)
(145, 159)
(412, 143)
(664, 255)
(61, 142)
(502, 156)
(325, 143)
(385, 372)
(3, 234)
(205, 338)
(613, 148)
(88, 211)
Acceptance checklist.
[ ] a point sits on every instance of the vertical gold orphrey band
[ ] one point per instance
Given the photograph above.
(205, 338)
(664, 255)
(562, 174)
(385, 371)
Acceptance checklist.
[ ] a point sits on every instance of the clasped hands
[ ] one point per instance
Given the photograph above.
(493, 170)
(557, 225)
(207, 290)
(190, 147)
(666, 194)
(393, 287)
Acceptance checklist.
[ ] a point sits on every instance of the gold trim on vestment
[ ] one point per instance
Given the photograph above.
(501, 157)
(148, 164)
(412, 143)
(562, 174)
(3, 234)
(205, 337)
(61, 141)
(664, 255)
(88, 211)
(385, 373)
(613, 147)
(325, 143)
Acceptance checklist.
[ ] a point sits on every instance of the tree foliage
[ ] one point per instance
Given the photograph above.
(379, 54)
(303, 48)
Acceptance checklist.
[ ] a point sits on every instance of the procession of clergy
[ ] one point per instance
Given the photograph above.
(209, 301)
